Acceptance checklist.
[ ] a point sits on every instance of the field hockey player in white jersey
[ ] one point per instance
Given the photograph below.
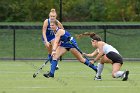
(106, 54)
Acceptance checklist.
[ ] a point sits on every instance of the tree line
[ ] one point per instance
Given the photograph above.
(72, 10)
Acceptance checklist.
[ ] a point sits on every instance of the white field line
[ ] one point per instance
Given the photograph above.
(12, 72)
(13, 65)
(74, 73)
(103, 86)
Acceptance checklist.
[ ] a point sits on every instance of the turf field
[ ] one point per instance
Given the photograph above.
(72, 77)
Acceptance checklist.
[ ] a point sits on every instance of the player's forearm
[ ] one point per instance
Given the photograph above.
(92, 54)
(44, 35)
(89, 55)
(98, 56)
(55, 45)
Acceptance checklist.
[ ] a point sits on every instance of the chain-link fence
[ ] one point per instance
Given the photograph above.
(26, 42)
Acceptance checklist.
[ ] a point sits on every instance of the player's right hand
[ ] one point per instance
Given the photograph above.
(84, 54)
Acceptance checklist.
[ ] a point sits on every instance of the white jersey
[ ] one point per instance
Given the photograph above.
(108, 48)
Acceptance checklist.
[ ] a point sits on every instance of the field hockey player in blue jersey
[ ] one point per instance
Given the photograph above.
(48, 34)
(64, 42)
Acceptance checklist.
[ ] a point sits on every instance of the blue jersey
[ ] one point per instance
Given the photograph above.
(66, 39)
(49, 33)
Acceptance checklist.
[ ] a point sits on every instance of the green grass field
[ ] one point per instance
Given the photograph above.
(72, 77)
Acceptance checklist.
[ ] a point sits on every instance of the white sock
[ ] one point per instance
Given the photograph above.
(100, 69)
(118, 74)
(57, 65)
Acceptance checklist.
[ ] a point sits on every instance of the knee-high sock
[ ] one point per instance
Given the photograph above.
(50, 57)
(53, 66)
(99, 69)
(118, 74)
(90, 65)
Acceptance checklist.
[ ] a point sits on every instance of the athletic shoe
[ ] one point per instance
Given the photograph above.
(125, 76)
(57, 67)
(97, 78)
(48, 74)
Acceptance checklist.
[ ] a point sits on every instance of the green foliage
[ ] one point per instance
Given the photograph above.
(27, 10)
(73, 10)
(97, 11)
(76, 9)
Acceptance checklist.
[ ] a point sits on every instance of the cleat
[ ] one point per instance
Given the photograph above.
(47, 75)
(57, 68)
(125, 76)
(97, 78)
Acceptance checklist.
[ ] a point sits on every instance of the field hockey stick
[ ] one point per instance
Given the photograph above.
(35, 74)
(60, 58)
(78, 49)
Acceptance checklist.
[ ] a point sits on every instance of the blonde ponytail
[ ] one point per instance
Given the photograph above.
(52, 10)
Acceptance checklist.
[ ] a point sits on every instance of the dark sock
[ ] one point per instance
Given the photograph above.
(50, 57)
(91, 65)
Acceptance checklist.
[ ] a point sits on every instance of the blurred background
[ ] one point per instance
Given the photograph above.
(72, 10)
